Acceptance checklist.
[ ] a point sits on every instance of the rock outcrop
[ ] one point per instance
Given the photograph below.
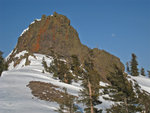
(54, 35)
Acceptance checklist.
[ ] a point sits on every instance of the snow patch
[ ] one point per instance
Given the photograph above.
(36, 20)
(35, 61)
(12, 52)
(143, 82)
(7, 57)
(21, 64)
(105, 104)
(11, 66)
(21, 54)
(25, 30)
(103, 84)
(20, 100)
(15, 97)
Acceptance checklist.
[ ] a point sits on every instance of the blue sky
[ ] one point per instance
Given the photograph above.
(120, 27)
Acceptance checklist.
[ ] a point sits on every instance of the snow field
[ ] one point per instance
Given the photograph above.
(15, 97)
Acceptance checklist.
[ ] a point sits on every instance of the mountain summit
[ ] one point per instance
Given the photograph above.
(54, 35)
(50, 33)
(51, 71)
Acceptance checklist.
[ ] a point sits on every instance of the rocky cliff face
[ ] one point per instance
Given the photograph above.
(54, 35)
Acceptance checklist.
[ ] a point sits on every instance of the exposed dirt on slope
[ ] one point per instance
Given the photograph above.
(47, 92)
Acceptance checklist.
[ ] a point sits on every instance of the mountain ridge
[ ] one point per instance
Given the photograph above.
(53, 35)
(49, 61)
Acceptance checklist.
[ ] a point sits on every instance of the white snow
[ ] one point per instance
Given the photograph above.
(24, 31)
(28, 27)
(143, 81)
(103, 84)
(21, 54)
(34, 21)
(11, 66)
(105, 104)
(38, 19)
(38, 59)
(35, 61)
(15, 97)
(21, 64)
(7, 57)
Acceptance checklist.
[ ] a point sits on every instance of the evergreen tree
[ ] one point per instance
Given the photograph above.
(60, 70)
(143, 71)
(122, 91)
(75, 67)
(128, 68)
(3, 64)
(144, 101)
(67, 106)
(44, 64)
(90, 92)
(134, 64)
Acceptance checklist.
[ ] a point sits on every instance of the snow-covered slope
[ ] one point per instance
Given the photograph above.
(144, 82)
(16, 97)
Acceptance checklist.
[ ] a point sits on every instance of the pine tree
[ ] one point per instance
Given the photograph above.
(128, 68)
(61, 71)
(3, 64)
(123, 92)
(144, 101)
(67, 106)
(44, 64)
(90, 92)
(75, 67)
(134, 64)
(143, 71)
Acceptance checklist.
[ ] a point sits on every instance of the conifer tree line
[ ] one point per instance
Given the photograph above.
(132, 67)
(122, 91)
(132, 99)
(3, 64)
(89, 95)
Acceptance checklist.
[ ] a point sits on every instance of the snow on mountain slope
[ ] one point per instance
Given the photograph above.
(144, 82)
(24, 31)
(16, 97)
(21, 53)
(35, 61)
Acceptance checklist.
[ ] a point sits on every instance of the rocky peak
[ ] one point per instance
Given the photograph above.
(50, 33)
(54, 35)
